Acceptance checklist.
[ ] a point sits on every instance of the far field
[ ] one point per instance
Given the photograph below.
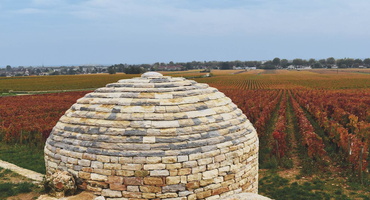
(313, 126)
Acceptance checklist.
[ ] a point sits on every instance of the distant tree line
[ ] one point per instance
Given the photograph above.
(276, 63)
(128, 69)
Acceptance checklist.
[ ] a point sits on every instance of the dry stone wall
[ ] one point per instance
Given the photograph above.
(156, 137)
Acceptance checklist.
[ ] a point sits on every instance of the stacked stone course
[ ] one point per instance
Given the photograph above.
(156, 137)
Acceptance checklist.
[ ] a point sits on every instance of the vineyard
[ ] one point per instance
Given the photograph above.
(325, 114)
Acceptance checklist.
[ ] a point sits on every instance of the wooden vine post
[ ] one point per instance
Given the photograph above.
(360, 163)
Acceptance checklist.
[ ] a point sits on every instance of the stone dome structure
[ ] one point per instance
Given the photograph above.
(156, 137)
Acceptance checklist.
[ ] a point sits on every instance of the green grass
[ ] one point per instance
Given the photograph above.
(276, 187)
(5, 172)
(266, 160)
(23, 156)
(11, 189)
(12, 184)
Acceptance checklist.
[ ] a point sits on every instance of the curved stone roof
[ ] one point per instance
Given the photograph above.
(148, 123)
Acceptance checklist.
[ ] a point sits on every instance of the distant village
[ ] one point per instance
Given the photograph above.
(276, 63)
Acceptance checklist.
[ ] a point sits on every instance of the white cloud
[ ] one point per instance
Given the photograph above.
(29, 11)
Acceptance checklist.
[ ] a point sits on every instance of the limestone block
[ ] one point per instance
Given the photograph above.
(118, 187)
(125, 172)
(149, 140)
(131, 166)
(205, 161)
(102, 158)
(182, 158)
(98, 177)
(153, 181)
(195, 177)
(97, 165)
(84, 175)
(169, 159)
(85, 163)
(187, 164)
(203, 195)
(157, 166)
(184, 171)
(131, 194)
(115, 179)
(124, 160)
(173, 188)
(159, 173)
(148, 195)
(167, 195)
(133, 180)
(141, 173)
(210, 174)
(88, 156)
(112, 166)
(171, 180)
(111, 193)
(150, 189)
(107, 172)
(133, 188)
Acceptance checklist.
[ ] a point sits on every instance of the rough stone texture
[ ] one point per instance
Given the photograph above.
(60, 183)
(156, 137)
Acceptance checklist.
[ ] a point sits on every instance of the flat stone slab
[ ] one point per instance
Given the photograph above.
(245, 196)
(21, 171)
(81, 196)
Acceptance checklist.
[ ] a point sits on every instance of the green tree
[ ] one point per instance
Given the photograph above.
(134, 70)
(298, 62)
(276, 61)
(311, 61)
(225, 65)
(317, 65)
(358, 61)
(8, 68)
(330, 61)
(111, 70)
(284, 63)
(367, 62)
(322, 62)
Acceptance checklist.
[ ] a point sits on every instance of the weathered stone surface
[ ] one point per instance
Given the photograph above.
(150, 189)
(111, 193)
(173, 188)
(153, 181)
(171, 180)
(133, 181)
(156, 137)
(61, 183)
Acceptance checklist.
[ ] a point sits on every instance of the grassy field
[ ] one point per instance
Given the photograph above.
(16, 186)
(329, 100)
(64, 82)
(71, 82)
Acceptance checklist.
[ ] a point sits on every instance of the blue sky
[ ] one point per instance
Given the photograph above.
(77, 32)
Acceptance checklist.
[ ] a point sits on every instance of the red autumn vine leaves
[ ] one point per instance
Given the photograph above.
(343, 114)
(30, 118)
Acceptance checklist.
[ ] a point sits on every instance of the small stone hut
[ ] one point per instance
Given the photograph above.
(156, 137)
